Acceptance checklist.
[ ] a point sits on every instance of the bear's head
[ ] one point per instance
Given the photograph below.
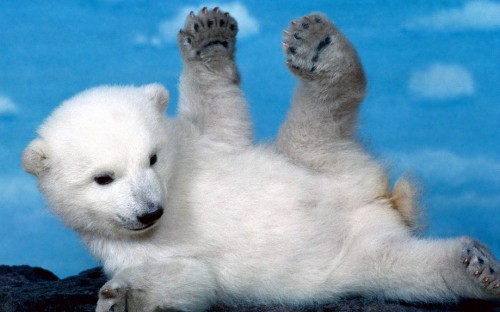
(100, 159)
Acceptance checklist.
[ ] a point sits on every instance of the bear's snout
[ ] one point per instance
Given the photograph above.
(151, 216)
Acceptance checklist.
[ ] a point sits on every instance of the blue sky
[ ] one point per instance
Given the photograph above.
(433, 105)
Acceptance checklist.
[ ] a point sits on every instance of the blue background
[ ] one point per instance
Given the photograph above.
(432, 109)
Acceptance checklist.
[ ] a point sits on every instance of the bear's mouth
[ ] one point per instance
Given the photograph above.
(147, 226)
(134, 225)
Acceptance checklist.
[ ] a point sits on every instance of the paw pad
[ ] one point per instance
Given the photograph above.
(305, 41)
(482, 265)
(211, 33)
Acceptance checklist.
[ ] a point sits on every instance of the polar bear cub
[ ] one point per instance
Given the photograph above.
(96, 159)
(187, 212)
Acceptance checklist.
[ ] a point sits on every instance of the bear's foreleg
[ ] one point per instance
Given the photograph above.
(210, 94)
(178, 284)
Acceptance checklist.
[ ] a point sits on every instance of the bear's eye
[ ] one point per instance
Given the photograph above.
(153, 159)
(103, 179)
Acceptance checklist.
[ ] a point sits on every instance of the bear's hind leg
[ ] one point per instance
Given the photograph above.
(321, 124)
(427, 270)
(319, 131)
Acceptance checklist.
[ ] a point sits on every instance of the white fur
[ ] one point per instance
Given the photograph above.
(241, 222)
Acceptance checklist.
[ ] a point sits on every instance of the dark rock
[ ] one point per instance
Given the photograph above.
(24, 288)
(366, 305)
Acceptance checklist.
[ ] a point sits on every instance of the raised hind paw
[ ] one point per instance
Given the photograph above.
(210, 34)
(482, 266)
(314, 47)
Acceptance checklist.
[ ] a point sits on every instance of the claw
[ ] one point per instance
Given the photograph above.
(496, 286)
(486, 280)
(204, 10)
(191, 14)
(286, 33)
(294, 23)
(184, 33)
(290, 64)
(466, 261)
(477, 273)
(216, 9)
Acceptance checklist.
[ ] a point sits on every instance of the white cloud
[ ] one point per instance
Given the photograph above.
(442, 81)
(7, 107)
(443, 166)
(450, 179)
(22, 203)
(474, 15)
(19, 192)
(467, 198)
(141, 39)
(169, 28)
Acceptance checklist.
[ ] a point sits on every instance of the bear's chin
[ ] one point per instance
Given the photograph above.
(143, 229)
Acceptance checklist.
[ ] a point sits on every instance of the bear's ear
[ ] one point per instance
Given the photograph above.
(158, 94)
(35, 157)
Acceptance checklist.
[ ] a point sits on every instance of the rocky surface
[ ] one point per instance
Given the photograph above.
(24, 288)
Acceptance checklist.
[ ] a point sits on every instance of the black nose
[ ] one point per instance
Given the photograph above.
(151, 216)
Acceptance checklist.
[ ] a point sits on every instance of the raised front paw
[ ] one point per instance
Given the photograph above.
(482, 266)
(210, 34)
(314, 47)
(112, 297)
